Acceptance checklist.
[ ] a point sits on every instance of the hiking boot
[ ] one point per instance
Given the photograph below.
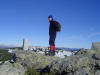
(52, 53)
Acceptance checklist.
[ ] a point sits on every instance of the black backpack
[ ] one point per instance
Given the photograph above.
(58, 28)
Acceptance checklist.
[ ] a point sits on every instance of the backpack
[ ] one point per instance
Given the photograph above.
(58, 27)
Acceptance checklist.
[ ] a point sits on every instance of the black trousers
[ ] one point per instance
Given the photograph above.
(52, 39)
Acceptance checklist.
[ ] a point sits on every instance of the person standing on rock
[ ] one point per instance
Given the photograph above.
(53, 29)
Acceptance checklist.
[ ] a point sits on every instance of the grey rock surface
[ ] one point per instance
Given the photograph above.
(85, 62)
(12, 69)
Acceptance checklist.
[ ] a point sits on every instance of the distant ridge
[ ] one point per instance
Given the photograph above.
(71, 49)
(5, 46)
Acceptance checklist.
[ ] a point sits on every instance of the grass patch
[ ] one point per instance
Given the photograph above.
(3, 51)
(5, 56)
(31, 71)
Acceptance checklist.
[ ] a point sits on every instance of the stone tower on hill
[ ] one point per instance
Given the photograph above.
(25, 44)
(95, 46)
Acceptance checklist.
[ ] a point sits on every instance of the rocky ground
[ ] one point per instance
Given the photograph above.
(84, 62)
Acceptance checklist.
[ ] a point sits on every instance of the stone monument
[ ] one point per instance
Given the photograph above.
(25, 44)
(95, 46)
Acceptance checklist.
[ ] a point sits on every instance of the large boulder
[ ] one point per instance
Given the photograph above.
(84, 62)
(32, 59)
(74, 65)
(12, 69)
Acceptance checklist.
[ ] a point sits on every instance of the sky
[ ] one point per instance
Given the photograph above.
(79, 19)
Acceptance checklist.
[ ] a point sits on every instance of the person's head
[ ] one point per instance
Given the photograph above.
(50, 18)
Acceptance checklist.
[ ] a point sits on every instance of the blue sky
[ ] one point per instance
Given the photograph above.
(80, 20)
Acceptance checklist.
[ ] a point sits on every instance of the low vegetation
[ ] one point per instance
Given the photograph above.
(4, 56)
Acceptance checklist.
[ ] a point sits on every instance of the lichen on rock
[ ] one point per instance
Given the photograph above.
(85, 62)
(12, 69)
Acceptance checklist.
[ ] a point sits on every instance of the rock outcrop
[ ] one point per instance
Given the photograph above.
(32, 59)
(12, 69)
(84, 62)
